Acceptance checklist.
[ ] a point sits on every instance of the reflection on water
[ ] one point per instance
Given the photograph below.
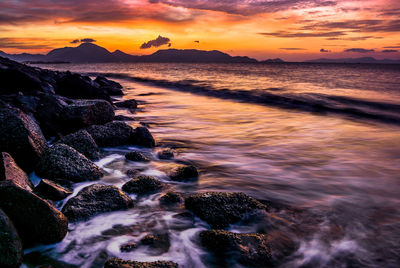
(339, 177)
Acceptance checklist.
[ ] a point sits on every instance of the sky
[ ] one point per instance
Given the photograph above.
(262, 29)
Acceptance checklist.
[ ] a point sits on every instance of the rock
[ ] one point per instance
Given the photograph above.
(111, 134)
(113, 88)
(118, 263)
(129, 104)
(10, 244)
(52, 191)
(157, 241)
(123, 118)
(142, 136)
(165, 154)
(183, 173)
(36, 221)
(83, 142)
(27, 104)
(21, 137)
(133, 173)
(96, 199)
(129, 247)
(15, 80)
(41, 260)
(79, 87)
(251, 250)
(221, 209)
(10, 171)
(142, 185)
(171, 198)
(84, 113)
(63, 162)
(137, 157)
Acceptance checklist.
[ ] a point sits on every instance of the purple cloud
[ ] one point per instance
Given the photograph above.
(159, 41)
(324, 50)
(390, 51)
(359, 50)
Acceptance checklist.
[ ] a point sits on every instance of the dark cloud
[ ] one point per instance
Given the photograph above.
(88, 40)
(366, 26)
(23, 43)
(159, 41)
(390, 51)
(75, 41)
(324, 50)
(293, 48)
(304, 34)
(197, 41)
(359, 50)
(392, 47)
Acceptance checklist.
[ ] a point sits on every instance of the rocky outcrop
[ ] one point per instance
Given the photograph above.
(51, 190)
(171, 198)
(10, 244)
(36, 221)
(183, 173)
(10, 171)
(111, 134)
(221, 209)
(83, 142)
(250, 250)
(137, 157)
(113, 88)
(118, 263)
(21, 137)
(63, 162)
(142, 136)
(142, 185)
(96, 199)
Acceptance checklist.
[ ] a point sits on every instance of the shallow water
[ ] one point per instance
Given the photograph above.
(336, 176)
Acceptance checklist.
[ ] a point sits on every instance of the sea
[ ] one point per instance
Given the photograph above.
(320, 142)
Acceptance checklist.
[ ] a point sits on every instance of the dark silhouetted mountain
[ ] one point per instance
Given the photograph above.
(355, 60)
(277, 60)
(23, 57)
(121, 56)
(86, 52)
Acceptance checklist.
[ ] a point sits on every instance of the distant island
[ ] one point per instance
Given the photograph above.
(92, 53)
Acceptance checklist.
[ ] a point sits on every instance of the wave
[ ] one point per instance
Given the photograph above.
(382, 112)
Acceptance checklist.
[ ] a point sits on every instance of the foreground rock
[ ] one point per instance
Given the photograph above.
(251, 250)
(21, 136)
(142, 136)
(52, 191)
(83, 142)
(171, 198)
(221, 209)
(10, 171)
(113, 88)
(10, 244)
(96, 199)
(16, 80)
(183, 173)
(36, 221)
(111, 134)
(142, 185)
(137, 157)
(63, 162)
(118, 263)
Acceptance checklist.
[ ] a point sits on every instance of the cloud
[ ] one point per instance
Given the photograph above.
(292, 48)
(159, 41)
(285, 34)
(23, 43)
(359, 50)
(392, 47)
(197, 41)
(88, 40)
(75, 41)
(389, 51)
(324, 50)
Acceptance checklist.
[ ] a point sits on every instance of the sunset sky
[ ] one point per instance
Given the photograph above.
(290, 29)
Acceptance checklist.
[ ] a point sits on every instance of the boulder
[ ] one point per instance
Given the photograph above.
(142, 185)
(142, 136)
(221, 209)
(84, 113)
(111, 134)
(83, 142)
(63, 162)
(36, 220)
(159, 242)
(21, 137)
(250, 250)
(27, 104)
(137, 157)
(10, 171)
(171, 198)
(183, 173)
(113, 88)
(14, 80)
(166, 154)
(10, 244)
(96, 199)
(118, 263)
(51, 190)
(128, 104)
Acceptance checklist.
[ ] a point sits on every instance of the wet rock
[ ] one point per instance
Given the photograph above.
(221, 209)
(36, 221)
(27, 104)
(123, 118)
(160, 242)
(10, 171)
(129, 247)
(113, 88)
(15, 80)
(21, 137)
(142, 136)
(251, 250)
(41, 260)
(52, 191)
(83, 142)
(129, 104)
(171, 198)
(137, 157)
(10, 244)
(111, 134)
(166, 154)
(133, 173)
(118, 263)
(79, 87)
(96, 199)
(84, 113)
(142, 185)
(183, 173)
(63, 162)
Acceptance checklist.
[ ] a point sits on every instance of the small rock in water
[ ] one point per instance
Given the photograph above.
(96, 199)
(10, 244)
(142, 185)
(133, 173)
(123, 118)
(142, 136)
(118, 263)
(137, 157)
(52, 191)
(83, 142)
(129, 104)
(129, 247)
(113, 88)
(166, 154)
(183, 173)
(10, 171)
(171, 198)
(157, 241)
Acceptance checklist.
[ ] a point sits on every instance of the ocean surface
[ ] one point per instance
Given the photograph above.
(319, 141)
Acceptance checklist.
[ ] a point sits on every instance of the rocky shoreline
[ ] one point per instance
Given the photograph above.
(55, 124)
